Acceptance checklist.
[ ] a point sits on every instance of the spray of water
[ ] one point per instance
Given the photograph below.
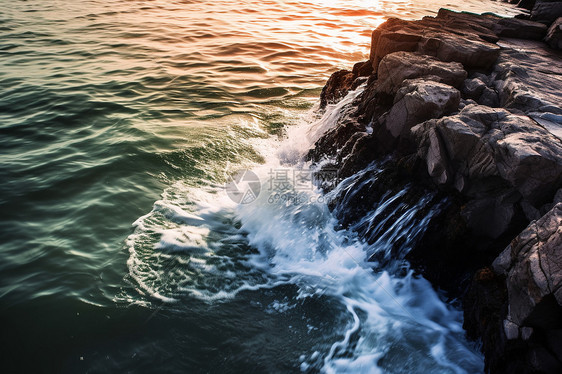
(206, 246)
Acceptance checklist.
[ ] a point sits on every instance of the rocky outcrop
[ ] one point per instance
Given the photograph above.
(483, 150)
(469, 105)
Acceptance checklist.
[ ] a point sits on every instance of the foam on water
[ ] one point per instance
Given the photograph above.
(205, 246)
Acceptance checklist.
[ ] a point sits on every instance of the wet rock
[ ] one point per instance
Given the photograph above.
(337, 87)
(554, 34)
(419, 100)
(496, 155)
(482, 142)
(529, 336)
(499, 26)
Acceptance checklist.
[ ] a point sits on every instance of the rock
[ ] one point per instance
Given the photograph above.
(529, 77)
(546, 12)
(532, 267)
(419, 100)
(519, 28)
(536, 267)
(510, 329)
(499, 26)
(554, 34)
(337, 87)
(426, 37)
(526, 4)
(472, 88)
(396, 67)
(492, 150)
(489, 98)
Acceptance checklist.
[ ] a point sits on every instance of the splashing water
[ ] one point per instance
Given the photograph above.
(209, 248)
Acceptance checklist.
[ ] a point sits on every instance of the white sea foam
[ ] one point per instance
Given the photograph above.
(207, 247)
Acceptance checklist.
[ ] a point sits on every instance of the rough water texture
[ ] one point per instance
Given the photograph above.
(469, 105)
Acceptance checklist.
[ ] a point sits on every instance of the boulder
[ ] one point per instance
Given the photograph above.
(472, 88)
(419, 100)
(546, 12)
(554, 34)
(494, 157)
(396, 67)
(498, 26)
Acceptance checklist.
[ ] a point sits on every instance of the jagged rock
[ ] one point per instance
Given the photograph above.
(532, 267)
(529, 77)
(504, 163)
(532, 264)
(519, 28)
(490, 150)
(397, 35)
(499, 26)
(489, 98)
(554, 34)
(337, 87)
(472, 88)
(396, 67)
(546, 12)
(419, 100)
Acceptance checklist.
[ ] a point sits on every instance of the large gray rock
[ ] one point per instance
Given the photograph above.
(495, 157)
(419, 100)
(554, 34)
(396, 67)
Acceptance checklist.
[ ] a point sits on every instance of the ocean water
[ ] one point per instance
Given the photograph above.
(122, 120)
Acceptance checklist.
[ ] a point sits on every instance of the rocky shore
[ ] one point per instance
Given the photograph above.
(470, 106)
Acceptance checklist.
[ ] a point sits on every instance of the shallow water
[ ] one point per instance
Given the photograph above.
(120, 121)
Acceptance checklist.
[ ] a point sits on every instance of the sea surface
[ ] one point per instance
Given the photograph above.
(120, 250)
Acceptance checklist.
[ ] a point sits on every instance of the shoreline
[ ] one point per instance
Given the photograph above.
(468, 106)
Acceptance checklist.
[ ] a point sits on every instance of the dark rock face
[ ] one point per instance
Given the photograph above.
(469, 105)
(519, 309)
(546, 12)
(481, 150)
(342, 81)
(554, 34)
(532, 264)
